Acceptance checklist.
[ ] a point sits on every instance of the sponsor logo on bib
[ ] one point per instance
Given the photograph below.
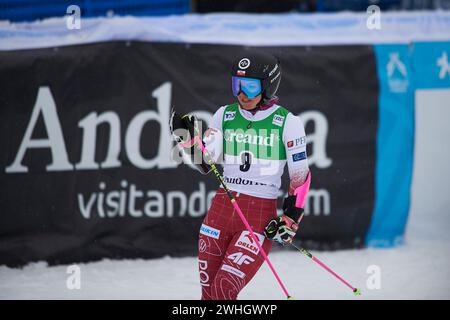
(241, 137)
(230, 115)
(278, 120)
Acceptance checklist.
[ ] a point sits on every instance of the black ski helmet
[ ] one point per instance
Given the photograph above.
(262, 66)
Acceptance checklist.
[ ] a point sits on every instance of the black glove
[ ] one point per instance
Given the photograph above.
(184, 129)
(284, 228)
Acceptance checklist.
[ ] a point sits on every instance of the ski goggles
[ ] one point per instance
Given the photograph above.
(249, 86)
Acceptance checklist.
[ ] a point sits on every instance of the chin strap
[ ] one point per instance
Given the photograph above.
(301, 192)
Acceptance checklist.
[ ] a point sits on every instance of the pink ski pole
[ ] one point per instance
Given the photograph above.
(356, 291)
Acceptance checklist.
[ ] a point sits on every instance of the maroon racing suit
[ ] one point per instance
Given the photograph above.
(228, 256)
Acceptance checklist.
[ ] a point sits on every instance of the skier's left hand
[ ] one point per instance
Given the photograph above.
(281, 230)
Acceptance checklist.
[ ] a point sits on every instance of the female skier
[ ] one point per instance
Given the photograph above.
(253, 139)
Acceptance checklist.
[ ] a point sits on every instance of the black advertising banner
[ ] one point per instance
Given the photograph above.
(87, 168)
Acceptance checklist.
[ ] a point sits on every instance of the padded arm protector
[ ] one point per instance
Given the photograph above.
(301, 192)
(293, 205)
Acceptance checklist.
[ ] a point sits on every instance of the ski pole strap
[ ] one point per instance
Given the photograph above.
(189, 146)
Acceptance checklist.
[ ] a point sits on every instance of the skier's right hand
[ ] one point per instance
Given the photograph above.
(183, 127)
